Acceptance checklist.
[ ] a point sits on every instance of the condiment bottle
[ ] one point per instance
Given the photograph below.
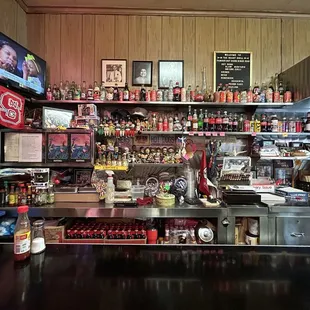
(38, 240)
(22, 235)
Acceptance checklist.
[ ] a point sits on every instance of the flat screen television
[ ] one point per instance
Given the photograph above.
(20, 68)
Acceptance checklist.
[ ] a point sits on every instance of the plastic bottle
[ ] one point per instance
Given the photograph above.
(110, 190)
(22, 235)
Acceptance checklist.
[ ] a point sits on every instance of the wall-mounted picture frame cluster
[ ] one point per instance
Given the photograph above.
(66, 147)
(114, 71)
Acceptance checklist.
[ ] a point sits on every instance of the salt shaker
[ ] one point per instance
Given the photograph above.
(38, 240)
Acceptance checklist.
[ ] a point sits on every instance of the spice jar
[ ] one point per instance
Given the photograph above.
(38, 240)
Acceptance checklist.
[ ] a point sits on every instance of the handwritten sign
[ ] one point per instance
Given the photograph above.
(233, 68)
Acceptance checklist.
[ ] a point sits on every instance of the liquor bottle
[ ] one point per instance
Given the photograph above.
(307, 125)
(263, 123)
(298, 125)
(252, 124)
(71, 91)
(90, 93)
(195, 121)
(62, 91)
(241, 123)
(189, 119)
(188, 93)
(210, 94)
(154, 122)
(67, 87)
(170, 91)
(77, 93)
(198, 96)
(103, 92)
(206, 121)
(291, 125)
(281, 91)
(200, 121)
(219, 121)
(284, 124)
(115, 93)
(83, 91)
(176, 92)
(142, 93)
(212, 126)
(12, 196)
(204, 81)
(235, 123)
(274, 123)
(225, 121)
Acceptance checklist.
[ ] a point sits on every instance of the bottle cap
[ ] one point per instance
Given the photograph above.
(22, 209)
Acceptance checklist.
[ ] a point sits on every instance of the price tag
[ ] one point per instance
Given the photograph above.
(222, 134)
(200, 134)
(191, 133)
(285, 134)
(214, 134)
(208, 134)
(253, 134)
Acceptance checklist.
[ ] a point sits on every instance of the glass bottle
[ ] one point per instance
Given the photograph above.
(195, 121)
(67, 88)
(307, 126)
(37, 237)
(77, 93)
(177, 92)
(235, 123)
(206, 121)
(200, 121)
(241, 123)
(225, 121)
(142, 93)
(83, 91)
(126, 93)
(188, 93)
(219, 121)
(51, 194)
(189, 119)
(263, 123)
(115, 93)
(212, 122)
(62, 91)
(22, 235)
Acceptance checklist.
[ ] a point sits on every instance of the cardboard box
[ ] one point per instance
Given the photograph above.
(87, 110)
(293, 195)
(53, 233)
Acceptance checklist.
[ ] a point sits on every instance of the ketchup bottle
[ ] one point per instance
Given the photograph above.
(22, 235)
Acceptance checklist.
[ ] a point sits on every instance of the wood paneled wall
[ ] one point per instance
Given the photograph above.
(13, 21)
(74, 45)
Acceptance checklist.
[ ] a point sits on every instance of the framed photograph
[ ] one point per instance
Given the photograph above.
(170, 70)
(114, 71)
(142, 73)
(57, 147)
(82, 177)
(52, 118)
(80, 147)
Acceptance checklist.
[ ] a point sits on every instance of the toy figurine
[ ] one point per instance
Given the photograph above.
(109, 159)
(178, 157)
(157, 157)
(171, 155)
(49, 94)
(111, 128)
(117, 130)
(96, 91)
(127, 130)
(138, 125)
(90, 93)
(132, 130)
(110, 94)
(106, 130)
(124, 160)
(122, 129)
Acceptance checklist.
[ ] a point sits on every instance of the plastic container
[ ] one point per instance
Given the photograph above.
(137, 191)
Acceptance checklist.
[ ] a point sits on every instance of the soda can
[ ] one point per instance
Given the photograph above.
(236, 96)
(229, 97)
(147, 96)
(287, 97)
(243, 96)
(153, 95)
(183, 94)
(249, 96)
(121, 95)
(222, 96)
(137, 94)
(132, 96)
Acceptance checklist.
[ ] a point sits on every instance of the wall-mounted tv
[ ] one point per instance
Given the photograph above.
(20, 68)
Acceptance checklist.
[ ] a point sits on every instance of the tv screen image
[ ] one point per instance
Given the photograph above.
(20, 68)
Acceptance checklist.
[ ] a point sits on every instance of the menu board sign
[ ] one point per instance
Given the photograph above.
(233, 68)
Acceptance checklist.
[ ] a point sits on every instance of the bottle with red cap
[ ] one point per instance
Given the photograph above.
(22, 235)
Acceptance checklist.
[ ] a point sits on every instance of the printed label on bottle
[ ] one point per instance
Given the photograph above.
(126, 95)
(21, 243)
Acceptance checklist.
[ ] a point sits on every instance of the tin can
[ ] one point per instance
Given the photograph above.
(132, 96)
(159, 95)
(229, 97)
(249, 96)
(137, 94)
(287, 97)
(120, 95)
(222, 96)
(236, 97)
(153, 95)
(183, 94)
(276, 96)
(216, 97)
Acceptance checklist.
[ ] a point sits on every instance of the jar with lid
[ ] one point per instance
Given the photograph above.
(51, 194)
(22, 235)
(38, 240)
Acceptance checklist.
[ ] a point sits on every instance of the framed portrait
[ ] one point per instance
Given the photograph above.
(114, 71)
(80, 145)
(170, 70)
(142, 73)
(82, 177)
(57, 147)
(52, 117)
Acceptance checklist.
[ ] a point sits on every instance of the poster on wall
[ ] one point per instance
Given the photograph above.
(234, 69)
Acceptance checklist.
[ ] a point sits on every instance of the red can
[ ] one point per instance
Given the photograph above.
(249, 96)
(137, 94)
(287, 96)
(236, 96)
(216, 97)
(276, 96)
(153, 95)
(229, 97)
(121, 95)
(132, 96)
(222, 96)
(246, 125)
(147, 96)
(298, 126)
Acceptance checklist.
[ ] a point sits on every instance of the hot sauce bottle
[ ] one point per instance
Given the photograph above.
(22, 235)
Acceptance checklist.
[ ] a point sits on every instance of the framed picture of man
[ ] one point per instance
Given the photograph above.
(114, 71)
(142, 73)
(170, 70)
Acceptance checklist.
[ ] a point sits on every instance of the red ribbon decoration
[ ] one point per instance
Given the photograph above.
(11, 109)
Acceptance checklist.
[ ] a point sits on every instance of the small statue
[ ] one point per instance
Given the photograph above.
(111, 128)
(122, 129)
(117, 130)
(106, 129)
